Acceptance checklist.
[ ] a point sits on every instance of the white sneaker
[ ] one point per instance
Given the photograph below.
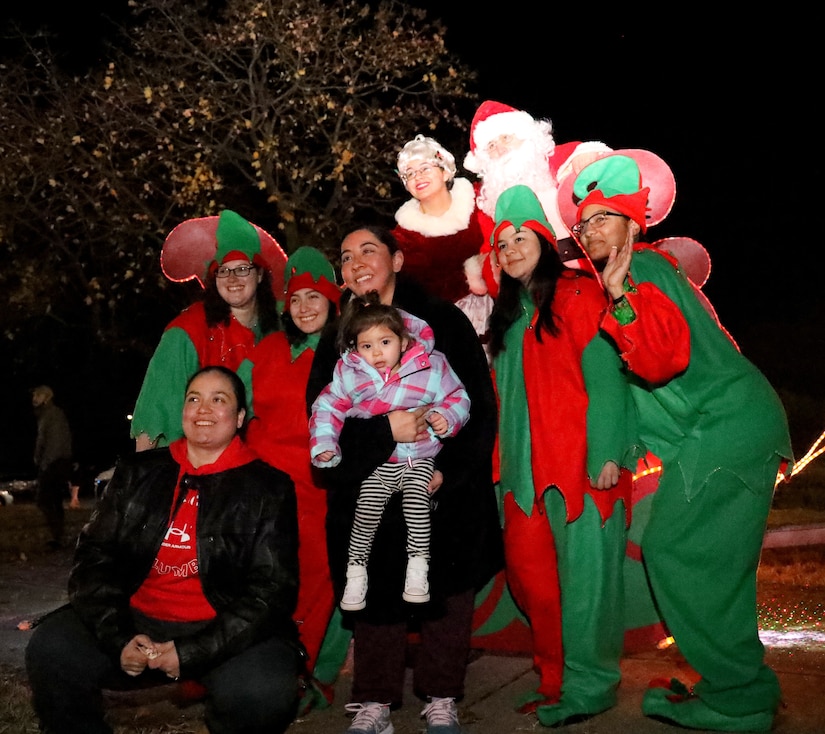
(370, 718)
(416, 586)
(355, 592)
(442, 716)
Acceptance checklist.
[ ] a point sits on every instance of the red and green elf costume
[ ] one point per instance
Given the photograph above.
(189, 342)
(279, 433)
(564, 411)
(721, 434)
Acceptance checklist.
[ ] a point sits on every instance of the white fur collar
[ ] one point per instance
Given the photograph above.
(455, 219)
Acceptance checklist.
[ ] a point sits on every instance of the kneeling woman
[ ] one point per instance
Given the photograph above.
(188, 568)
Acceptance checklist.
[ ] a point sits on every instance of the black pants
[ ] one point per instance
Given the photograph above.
(440, 665)
(52, 488)
(255, 692)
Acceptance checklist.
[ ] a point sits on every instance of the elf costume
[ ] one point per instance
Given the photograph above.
(564, 412)
(192, 250)
(279, 433)
(721, 434)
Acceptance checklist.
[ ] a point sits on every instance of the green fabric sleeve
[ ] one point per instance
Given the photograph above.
(514, 436)
(611, 415)
(244, 371)
(160, 402)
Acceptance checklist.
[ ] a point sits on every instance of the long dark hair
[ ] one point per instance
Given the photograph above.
(542, 289)
(218, 311)
(364, 312)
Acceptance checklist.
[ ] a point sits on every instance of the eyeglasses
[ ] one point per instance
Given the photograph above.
(242, 271)
(412, 173)
(597, 221)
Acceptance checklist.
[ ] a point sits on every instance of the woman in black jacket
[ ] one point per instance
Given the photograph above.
(466, 537)
(188, 568)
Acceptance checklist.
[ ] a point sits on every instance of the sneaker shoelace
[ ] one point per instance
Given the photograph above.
(366, 714)
(441, 712)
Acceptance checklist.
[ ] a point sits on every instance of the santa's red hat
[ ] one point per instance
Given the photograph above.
(491, 120)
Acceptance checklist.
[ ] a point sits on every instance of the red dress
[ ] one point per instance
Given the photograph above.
(435, 248)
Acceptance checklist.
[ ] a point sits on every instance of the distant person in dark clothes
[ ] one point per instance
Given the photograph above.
(53, 459)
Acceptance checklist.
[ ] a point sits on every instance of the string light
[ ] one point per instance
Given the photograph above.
(816, 450)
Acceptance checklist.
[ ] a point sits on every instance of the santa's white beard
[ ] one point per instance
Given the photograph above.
(525, 166)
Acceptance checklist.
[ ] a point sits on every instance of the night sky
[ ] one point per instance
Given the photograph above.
(729, 103)
(721, 100)
(726, 101)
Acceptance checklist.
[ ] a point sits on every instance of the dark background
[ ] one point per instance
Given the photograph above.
(730, 104)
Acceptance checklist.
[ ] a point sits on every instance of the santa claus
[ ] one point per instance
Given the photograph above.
(509, 147)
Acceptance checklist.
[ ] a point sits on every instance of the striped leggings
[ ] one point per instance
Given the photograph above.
(411, 478)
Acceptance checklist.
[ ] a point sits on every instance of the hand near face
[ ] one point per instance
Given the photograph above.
(616, 269)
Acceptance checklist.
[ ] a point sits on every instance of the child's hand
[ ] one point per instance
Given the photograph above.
(325, 456)
(438, 422)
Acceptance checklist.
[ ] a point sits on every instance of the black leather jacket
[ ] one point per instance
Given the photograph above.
(247, 545)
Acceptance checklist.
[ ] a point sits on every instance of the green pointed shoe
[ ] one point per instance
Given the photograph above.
(693, 713)
(562, 714)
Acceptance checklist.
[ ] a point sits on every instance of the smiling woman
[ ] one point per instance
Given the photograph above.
(465, 537)
(567, 453)
(241, 269)
(212, 415)
(188, 569)
(279, 432)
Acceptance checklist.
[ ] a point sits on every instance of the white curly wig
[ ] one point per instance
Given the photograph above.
(426, 149)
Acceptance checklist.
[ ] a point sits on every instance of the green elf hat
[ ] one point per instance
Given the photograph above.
(520, 207)
(632, 181)
(308, 268)
(198, 246)
(237, 240)
(614, 182)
